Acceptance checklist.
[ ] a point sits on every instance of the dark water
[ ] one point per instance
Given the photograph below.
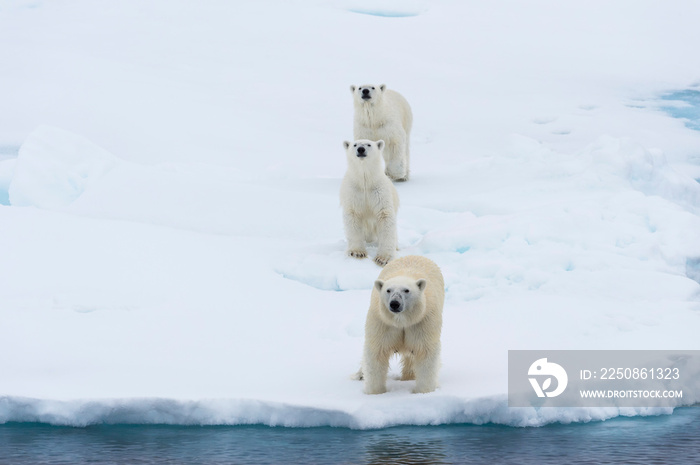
(673, 439)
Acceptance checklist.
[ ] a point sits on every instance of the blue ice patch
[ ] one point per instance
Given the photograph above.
(692, 268)
(7, 152)
(689, 108)
(385, 13)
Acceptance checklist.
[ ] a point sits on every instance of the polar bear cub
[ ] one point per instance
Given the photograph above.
(381, 113)
(404, 317)
(369, 202)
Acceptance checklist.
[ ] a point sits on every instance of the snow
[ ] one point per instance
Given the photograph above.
(173, 249)
(55, 167)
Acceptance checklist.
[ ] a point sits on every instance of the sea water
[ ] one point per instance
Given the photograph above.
(667, 439)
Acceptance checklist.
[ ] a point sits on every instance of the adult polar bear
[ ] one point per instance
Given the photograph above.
(382, 113)
(405, 317)
(369, 202)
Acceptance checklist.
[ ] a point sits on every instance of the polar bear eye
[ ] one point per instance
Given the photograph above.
(406, 291)
(388, 291)
(372, 88)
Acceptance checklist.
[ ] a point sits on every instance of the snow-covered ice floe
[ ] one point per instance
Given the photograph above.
(428, 411)
(171, 238)
(54, 167)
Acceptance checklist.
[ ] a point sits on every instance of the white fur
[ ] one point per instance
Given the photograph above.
(413, 332)
(385, 115)
(369, 202)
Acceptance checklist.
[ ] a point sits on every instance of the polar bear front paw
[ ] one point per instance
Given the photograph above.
(357, 253)
(423, 389)
(383, 259)
(374, 390)
(397, 177)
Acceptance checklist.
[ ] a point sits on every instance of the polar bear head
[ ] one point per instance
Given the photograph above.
(402, 298)
(364, 153)
(368, 93)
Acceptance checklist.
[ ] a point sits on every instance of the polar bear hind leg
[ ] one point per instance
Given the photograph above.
(407, 371)
(396, 159)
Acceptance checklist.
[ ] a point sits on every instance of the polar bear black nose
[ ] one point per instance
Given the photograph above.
(395, 304)
(365, 91)
(360, 151)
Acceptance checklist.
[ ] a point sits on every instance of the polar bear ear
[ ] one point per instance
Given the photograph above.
(352, 89)
(379, 284)
(382, 87)
(346, 144)
(380, 144)
(421, 284)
